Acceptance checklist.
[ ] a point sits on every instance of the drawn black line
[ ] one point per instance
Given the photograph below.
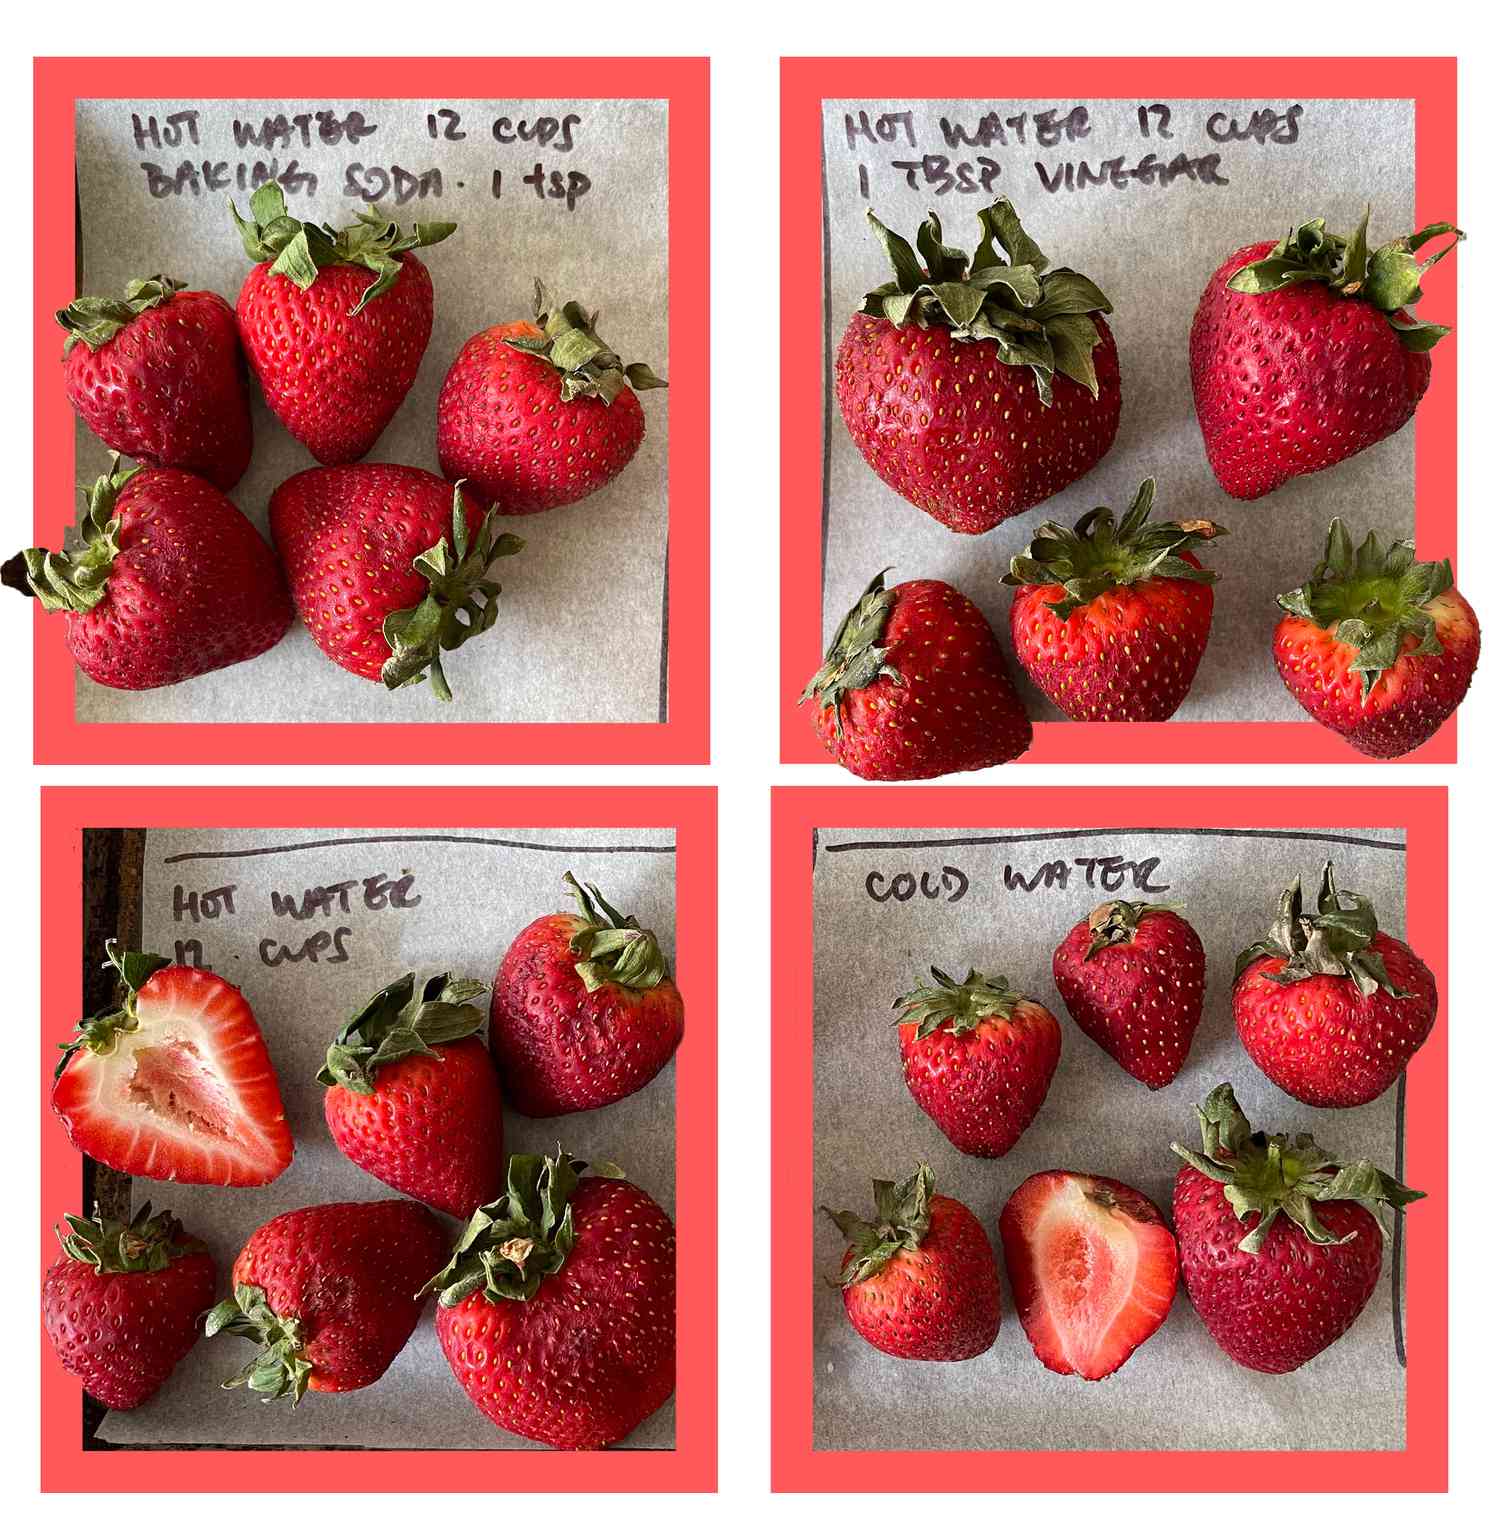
(1104, 832)
(502, 843)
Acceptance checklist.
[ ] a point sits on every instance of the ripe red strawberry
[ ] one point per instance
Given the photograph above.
(540, 416)
(1378, 645)
(1109, 623)
(167, 579)
(914, 686)
(161, 377)
(121, 1304)
(1092, 1267)
(388, 567)
(1330, 1008)
(413, 1097)
(920, 1281)
(1280, 1241)
(329, 1293)
(334, 322)
(1302, 353)
(1131, 975)
(557, 1311)
(978, 386)
(583, 1011)
(978, 1058)
(174, 1083)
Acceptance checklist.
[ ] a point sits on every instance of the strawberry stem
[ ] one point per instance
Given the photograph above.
(903, 1214)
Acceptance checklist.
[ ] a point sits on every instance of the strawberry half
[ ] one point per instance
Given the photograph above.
(1092, 1267)
(1111, 623)
(174, 1083)
(978, 386)
(1377, 645)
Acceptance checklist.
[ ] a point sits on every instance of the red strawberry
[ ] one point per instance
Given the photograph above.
(1377, 646)
(914, 686)
(167, 579)
(388, 567)
(1092, 1266)
(329, 1293)
(558, 1309)
(1330, 1009)
(1280, 1241)
(175, 1083)
(161, 377)
(334, 322)
(978, 386)
(1302, 352)
(540, 416)
(121, 1304)
(412, 1095)
(920, 1281)
(978, 1058)
(1111, 624)
(1131, 975)
(583, 1011)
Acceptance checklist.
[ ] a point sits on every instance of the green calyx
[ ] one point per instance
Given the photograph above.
(1115, 923)
(460, 601)
(956, 1007)
(1278, 1175)
(298, 251)
(1372, 598)
(512, 1244)
(1333, 942)
(74, 580)
(1095, 556)
(612, 947)
(570, 343)
(902, 1215)
(100, 1033)
(402, 1020)
(281, 1369)
(96, 320)
(1037, 319)
(112, 1247)
(1389, 277)
(855, 659)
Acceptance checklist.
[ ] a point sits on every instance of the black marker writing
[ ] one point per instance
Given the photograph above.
(199, 905)
(315, 947)
(1102, 872)
(949, 884)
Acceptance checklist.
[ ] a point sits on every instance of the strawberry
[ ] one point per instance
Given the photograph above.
(583, 1011)
(1109, 623)
(978, 1058)
(1280, 1241)
(978, 386)
(540, 416)
(1377, 646)
(388, 567)
(174, 1083)
(412, 1095)
(1093, 1269)
(920, 1281)
(167, 580)
(1131, 975)
(557, 1310)
(1330, 1008)
(161, 377)
(334, 322)
(121, 1304)
(1302, 352)
(914, 686)
(329, 1293)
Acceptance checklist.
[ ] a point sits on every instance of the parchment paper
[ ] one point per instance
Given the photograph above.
(540, 662)
(1152, 250)
(477, 891)
(1179, 1391)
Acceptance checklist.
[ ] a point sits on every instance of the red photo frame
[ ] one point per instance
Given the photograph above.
(684, 736)
(691, 1465)
(1430, 83)
(795, 1465)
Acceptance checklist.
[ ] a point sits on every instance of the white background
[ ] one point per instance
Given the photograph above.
(745, 44)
